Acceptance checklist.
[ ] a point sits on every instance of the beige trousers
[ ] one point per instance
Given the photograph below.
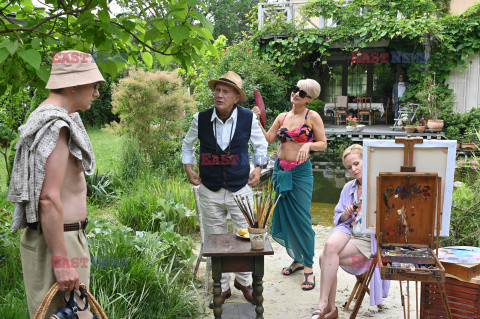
(215, 206)
(37, 266)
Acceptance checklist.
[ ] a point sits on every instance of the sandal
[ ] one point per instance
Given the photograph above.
(306, 282)
(290, 270)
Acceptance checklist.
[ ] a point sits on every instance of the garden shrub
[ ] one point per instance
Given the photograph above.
(141, 274)
(465, 215)
(256, 73)
(13, 110)
(460, 126)
(144, 210)
(174, 186)
(100, 188)
(153, 109)
(132, 164)
(13, 302)
(317, 106)
(335, 148)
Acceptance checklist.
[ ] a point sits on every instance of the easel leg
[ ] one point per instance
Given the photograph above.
(408, 299)
(416, 298)
(443, 293)
(402, 300)
(363, 289)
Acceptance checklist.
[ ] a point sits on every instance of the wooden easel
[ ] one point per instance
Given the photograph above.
(407, 167)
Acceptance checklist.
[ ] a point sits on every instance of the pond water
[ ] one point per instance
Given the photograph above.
(327, 186)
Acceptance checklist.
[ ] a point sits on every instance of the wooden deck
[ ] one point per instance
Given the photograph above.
(377, 131)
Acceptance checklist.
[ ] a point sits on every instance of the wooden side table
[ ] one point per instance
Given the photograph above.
(232, 254)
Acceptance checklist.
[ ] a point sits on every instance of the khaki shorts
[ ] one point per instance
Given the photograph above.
(363, 243)
(37, 265)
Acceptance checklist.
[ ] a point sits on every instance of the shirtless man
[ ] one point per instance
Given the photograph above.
(48, 184)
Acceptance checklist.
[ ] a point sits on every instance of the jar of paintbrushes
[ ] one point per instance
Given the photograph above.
(257, 217)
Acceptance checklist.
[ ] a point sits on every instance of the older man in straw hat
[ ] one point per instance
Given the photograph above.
(224, 131)
(48, 184)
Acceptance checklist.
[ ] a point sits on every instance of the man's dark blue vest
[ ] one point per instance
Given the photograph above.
(218, 169)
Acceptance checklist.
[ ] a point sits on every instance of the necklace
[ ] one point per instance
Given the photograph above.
(229, 142)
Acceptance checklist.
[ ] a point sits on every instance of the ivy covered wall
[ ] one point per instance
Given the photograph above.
(449, 41)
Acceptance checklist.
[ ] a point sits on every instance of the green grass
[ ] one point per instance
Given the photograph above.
(3, 174)
(107, 148)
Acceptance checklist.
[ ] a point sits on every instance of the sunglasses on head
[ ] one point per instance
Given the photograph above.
(301, 93)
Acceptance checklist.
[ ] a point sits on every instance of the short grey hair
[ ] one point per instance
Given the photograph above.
(311, 86)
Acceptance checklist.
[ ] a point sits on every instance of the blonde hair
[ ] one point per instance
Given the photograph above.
(311, 86)
(352, 149)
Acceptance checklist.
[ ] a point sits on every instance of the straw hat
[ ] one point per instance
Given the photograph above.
(72, 68)
(233, 79)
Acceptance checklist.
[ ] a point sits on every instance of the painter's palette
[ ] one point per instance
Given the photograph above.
(460, 254)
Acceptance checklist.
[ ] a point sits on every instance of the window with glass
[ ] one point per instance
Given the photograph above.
(334, 84)
(357, 80)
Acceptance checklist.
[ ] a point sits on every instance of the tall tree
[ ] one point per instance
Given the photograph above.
(229, 16)
(29, 34)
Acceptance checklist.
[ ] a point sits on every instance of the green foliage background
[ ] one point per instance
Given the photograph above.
(153, 110)
(256, 72)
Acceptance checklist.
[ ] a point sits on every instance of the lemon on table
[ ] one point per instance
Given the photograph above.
(243, 232)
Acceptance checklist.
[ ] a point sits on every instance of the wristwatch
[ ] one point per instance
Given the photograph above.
(259, 165)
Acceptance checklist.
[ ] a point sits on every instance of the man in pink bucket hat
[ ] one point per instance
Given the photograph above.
(48, 187)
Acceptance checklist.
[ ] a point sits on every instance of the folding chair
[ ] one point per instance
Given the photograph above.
(357, 289)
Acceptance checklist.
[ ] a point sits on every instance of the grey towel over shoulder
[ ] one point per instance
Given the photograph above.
(38, 138)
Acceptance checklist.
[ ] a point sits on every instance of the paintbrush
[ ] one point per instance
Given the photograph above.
(265, 207)
(270, 213)
(255, 218)
(243, 212)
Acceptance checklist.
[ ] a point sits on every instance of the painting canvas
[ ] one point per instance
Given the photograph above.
(431, 156)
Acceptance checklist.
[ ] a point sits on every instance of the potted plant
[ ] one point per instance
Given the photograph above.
(429, 98)
(351, 123)
(420, 125)
(470, 143)
(409, 127)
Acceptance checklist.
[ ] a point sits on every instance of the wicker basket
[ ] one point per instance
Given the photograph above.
(94, 305)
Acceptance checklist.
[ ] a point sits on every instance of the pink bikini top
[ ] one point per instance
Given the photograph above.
(300, 134)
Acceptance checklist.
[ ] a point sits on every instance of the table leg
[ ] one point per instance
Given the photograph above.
(217, 286)
(258, 286)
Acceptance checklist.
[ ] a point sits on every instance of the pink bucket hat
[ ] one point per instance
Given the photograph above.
(72, 68)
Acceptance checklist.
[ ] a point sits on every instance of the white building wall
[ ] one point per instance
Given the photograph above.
(466, 86)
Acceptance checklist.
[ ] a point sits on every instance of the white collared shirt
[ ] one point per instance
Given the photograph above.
(401, 89)
(223, 131)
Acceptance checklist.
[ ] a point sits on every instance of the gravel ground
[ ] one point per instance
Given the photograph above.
(284, 298)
